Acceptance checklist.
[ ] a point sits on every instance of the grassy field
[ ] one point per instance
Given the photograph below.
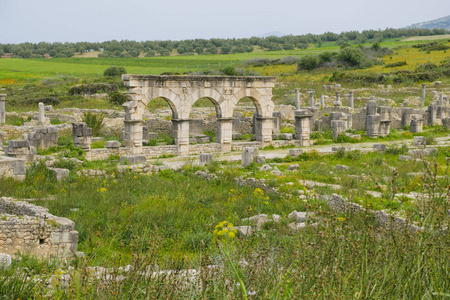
(23, 70)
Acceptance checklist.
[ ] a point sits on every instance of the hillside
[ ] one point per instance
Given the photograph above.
(441, 23)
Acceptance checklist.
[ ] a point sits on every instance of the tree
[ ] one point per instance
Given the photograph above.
(351, 56)
(308, 62)
(114, 71)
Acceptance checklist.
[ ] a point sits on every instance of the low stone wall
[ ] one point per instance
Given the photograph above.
(157, 151)
(12, 167)
(104, 153)
(27, 228)
(239, 146)
(205, 148)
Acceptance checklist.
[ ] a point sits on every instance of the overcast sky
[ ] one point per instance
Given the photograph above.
(102, 20)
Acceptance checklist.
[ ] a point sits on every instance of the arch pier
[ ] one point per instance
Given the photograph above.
(181, 92)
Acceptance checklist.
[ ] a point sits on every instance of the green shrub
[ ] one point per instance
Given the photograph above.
(308, 62)
(114, 71)
(397, 150)
(396, 64)
(117, 98)
(94, 121)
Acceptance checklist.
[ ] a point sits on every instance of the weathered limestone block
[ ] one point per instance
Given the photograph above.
(385, 128)
(12, 167)
(112, 144)
(341, 168)
(419, 141)
(429, 151)
(373, 125)
(260, 159)
(205, 158)
(432, 110)
(60, 173)
(249, 155)
(404, 157)
(287, 136)
(44, 138)
(21, 149)
(379, 147)
(295, 152)
(446, 122)
(318, 125)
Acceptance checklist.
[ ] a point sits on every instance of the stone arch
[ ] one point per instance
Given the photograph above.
(264, 105)
(172, 99)
(213, 95)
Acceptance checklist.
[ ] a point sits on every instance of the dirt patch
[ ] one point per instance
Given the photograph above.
(88, 54)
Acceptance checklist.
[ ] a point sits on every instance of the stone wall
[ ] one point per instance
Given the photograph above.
(12, 167)
(27, 228)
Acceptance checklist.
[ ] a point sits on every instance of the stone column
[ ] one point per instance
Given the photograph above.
(2, 108)
(297, 99)
(422, 102)
(406, 116)
(41, 118)
(132, 137)
(181, 135)
(225, 133)
(350, 97)
(264, 133)
(416, 123)
(431, 114)
(322, 100)
(303, 126)
(441, 99)
(372, 119)
(311, 98)
(338, 99)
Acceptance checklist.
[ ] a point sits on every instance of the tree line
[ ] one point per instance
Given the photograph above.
(126, 48)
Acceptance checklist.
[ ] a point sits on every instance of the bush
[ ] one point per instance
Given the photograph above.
(396, 64)
(351, 56)
(114, 71)
(308, 62)
(117, 97)
(94, 121)
(93, 88)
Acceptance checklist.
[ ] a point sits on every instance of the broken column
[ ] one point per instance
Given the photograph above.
(276, 123)
(236, 125)
(431, 114)
(249, 155)
(350, 98)
(416, 123)
(422, 100)
(311, 98)
(322, 100)
(181, 135)
(303, 126)
(82, 135)
(338, 122)
(21, 149)
(41, 118)
(338, 99)
(441, 109)
(372, 119)
(385, 113)
(297, 99)
(2, 108)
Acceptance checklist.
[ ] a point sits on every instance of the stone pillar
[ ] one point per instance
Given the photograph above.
(297, 99)
(322, 100)
(385, 113)
(133, 135)
(338, 99)
(276, 122)
(41, 118)
(338, 126)
(422, 102)
(431, 114)
(416, 123)
(349, 121)
(82, 135)
(21, 149)
(303, 126)
(225, 133)
(264, 130)
(350, 98)
(311, 98)
(441, 109)
(2, 108)
(249, 155)
(441, 99)
(372, 119)
(181, 135)
(406, 116)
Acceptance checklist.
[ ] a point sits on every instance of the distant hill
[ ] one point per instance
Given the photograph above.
(441, 23)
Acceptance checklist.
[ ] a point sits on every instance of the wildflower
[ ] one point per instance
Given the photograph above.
(341, 219)
(258, 192)
(102, 190)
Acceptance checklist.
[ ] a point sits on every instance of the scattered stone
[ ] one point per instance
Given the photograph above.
(260, 159)
(429, 151)
(299, 216)
(265, 168)
(287, 136)
(419, 141)
(276, 218)
(112, 144)
(404, 157)
(295, 152)
(276, 173)
(341, 168)
(60, 173)
(293, 167)
(5, 261)
(249, 155)
(243, 230)
(379, 147)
